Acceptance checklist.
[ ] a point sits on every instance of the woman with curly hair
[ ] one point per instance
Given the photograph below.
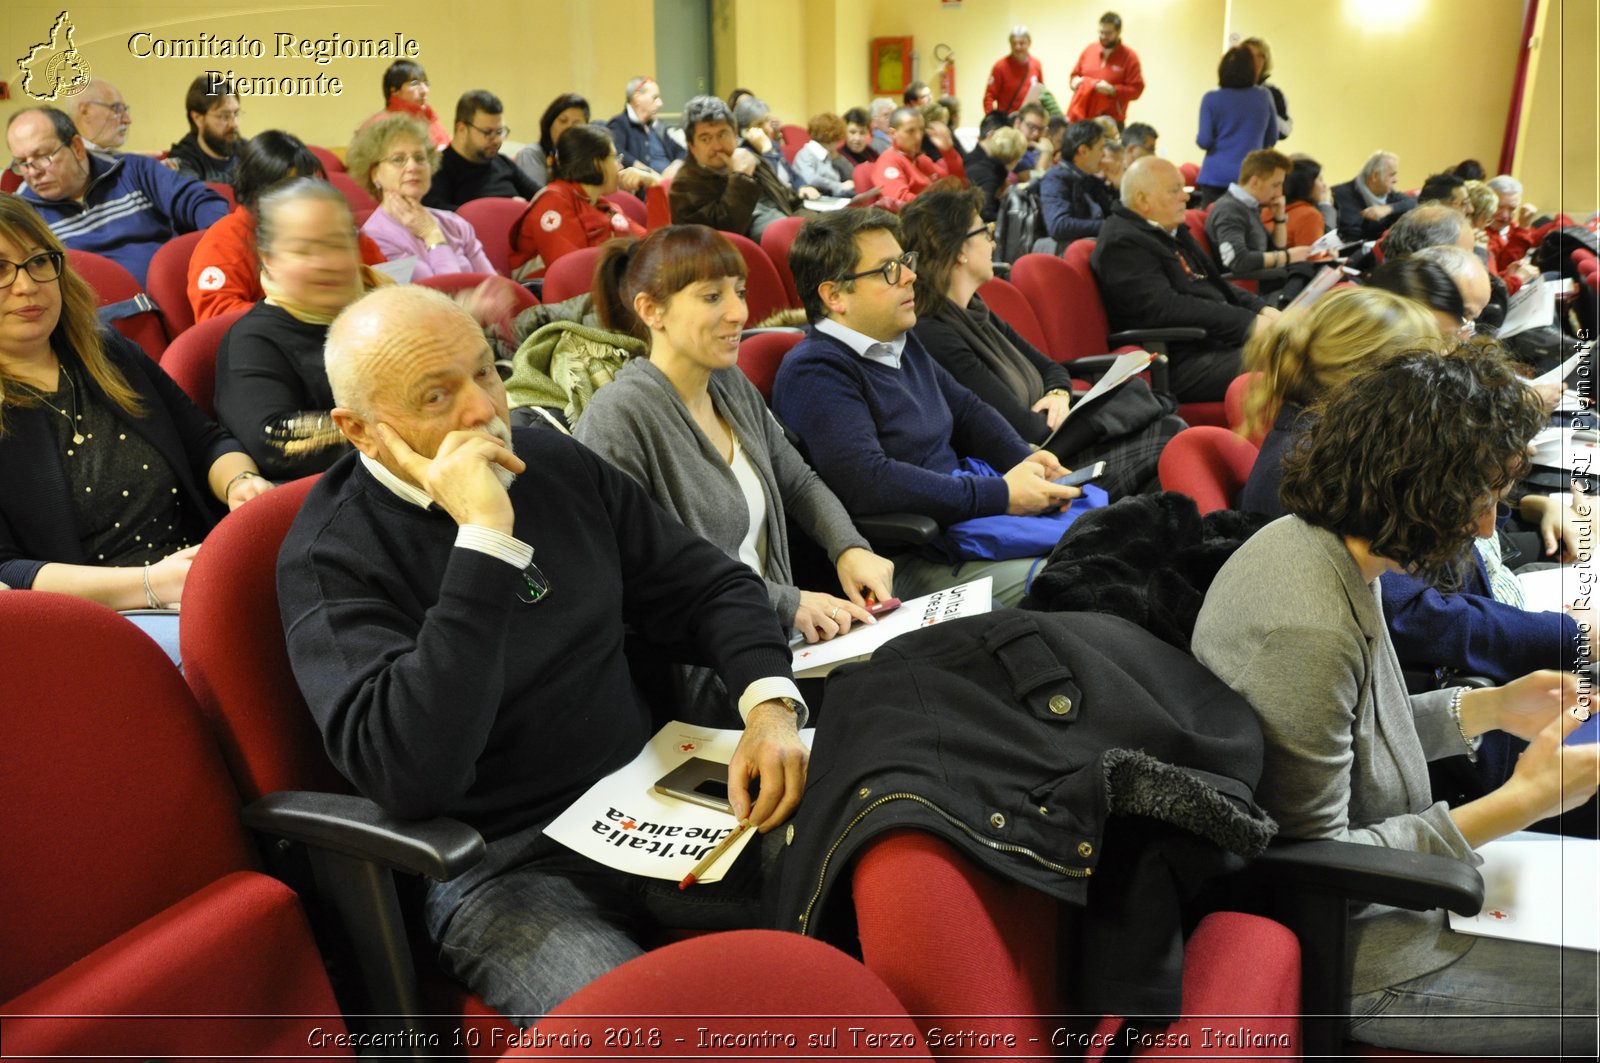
(1400, 470)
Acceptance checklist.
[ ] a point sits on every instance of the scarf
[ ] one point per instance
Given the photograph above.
(276, 296)
(976, 327)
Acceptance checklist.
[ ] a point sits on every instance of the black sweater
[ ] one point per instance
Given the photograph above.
(269, 367)
(438, 691)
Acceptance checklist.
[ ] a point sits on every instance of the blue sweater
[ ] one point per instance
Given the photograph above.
(1233, 123)
(889, 440)
(132, 206)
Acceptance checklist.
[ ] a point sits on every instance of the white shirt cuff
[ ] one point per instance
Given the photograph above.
(769, 688)
(507, 548)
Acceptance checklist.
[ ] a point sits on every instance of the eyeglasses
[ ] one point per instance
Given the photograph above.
(41, 161)
(45, 266)
(985, 229)
(226, 116)
(121, 110)
(400, 158)
(891, 271)
(497, 131)
(535, 587)
(416, 83)
(505, 367)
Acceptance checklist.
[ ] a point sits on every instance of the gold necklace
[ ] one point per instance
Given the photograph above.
(72, 401)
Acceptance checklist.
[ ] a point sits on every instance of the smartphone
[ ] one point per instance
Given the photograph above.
(1083, 475)
(883, 608)
(701, 782)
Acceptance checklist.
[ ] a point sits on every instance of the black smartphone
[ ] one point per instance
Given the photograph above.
(699, 781)
(1083, 475)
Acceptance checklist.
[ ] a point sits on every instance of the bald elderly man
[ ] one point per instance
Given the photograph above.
(1152, 274)
(102, 117)
(455, 597)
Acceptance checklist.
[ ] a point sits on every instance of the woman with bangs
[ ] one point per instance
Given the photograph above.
(690, 427)
(109, 476)
(1400, 469)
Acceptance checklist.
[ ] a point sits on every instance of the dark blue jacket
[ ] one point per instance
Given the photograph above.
(633, 140)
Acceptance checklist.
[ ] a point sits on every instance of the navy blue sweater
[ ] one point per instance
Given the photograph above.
(438, 691)
(889, 440)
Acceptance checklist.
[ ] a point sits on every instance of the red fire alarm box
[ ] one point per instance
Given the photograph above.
(889, 65)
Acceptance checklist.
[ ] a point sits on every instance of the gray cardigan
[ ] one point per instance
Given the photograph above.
(640, 425)
(1290, 624)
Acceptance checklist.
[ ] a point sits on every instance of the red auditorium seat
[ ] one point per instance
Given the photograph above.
(138, 318)
(168, 282)
(191, 361)
(761, 354)
(358, 198)
(331, 163)
(630, 205)
(223, 190)
(571, 274)
(987, 955)
(711, 983)
(1233, 408)
(1007, 300)
(492, 218)
(657, 207)
(764, 292)
(794, 138)
(521, 298)
(135, 925)
(775, 241)
(1208, 464)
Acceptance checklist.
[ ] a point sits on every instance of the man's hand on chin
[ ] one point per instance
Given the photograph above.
(769, 750)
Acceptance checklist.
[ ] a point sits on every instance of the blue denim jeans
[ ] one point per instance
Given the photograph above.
(534, 921)
(1507, 997)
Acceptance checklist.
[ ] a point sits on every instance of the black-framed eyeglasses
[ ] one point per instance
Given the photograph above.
(985, 230)
(121, 110)
(20, 167)
(43, 267)
(532, 587)
(498, 131)
(890, 271)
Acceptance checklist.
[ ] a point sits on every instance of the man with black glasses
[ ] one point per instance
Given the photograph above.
(882, 422)
(123, 207)
(472, 166)
(455, 598)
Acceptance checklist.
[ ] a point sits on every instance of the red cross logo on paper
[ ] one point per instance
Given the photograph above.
(550, 221)
(1499, 916)
(890, 173)
(629, 824)
(211, 279)
(688, 747)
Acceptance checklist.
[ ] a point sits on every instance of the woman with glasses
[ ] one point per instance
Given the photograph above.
(955, 257)
(272, 392)
(394, 161)
(690, 427)
(109, 475)
(1400, 471)
(405, 91)
(571, 213)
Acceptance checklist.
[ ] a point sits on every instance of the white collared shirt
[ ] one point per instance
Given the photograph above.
(519, 555)
(884, 352)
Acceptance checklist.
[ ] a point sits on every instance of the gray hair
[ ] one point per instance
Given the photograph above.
(1375, 161)
(1460, 264)
(705, 110)
(881, 106)
(1505, 185)
(749, 111)
(1419, 227)
(633, 86)
(275, 199)
(1021, 31)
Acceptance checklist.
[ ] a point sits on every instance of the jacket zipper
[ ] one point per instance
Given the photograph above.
(1003, 847)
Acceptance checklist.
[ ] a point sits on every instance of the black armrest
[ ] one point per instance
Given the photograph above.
(1372, 874)
(354, 826)
(1276, 273)
(1148, 337)
(899, 529)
